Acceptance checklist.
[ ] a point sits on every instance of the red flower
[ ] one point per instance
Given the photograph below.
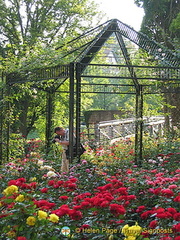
(164, 215)
(85, 226)
(51, 182)
(33, 185)
(133, 180)
(177, 199)
(104, 204)
(85, 204)
(146, 214)
(73, 180)
(153, 224)
(157, 191)
(122, 190)
(166, 238)
(75, 215)
(177, 238)
(21, 238)
(43, 204)
(72, 186)
(117, 209)
(176, 227)
(176, 216)
(131, 197)
(171, 210)
(140, 209)
(167, 193)
(44, 190)
(17, 182)
(63, 210)
(63, 198)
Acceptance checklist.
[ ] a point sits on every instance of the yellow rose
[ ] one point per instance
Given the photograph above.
(10, 190)
(125, 230)
(53, 218)
(31, 221)
(42, 215)
(135, 230)
(20, 198)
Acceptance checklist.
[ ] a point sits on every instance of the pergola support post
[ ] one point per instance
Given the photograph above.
(139, 127)
(71, 110)
(49, 116)
(78, 106)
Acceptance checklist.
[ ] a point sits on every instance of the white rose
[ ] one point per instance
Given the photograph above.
(51, 174)
(40, 162)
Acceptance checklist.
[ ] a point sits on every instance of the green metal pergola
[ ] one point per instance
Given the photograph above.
(80, 58)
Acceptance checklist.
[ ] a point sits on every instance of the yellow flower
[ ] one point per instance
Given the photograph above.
(125, 230)
(131, 232)
(10, 190)
(20, 198)
(53, 218)
(11, 234)
(135, 230)
(42, 215)
(32, 179)
(31, 221)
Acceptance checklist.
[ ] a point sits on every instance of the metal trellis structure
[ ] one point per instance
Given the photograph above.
(81, 55)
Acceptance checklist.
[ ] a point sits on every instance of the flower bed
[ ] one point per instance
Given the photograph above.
(103, 197)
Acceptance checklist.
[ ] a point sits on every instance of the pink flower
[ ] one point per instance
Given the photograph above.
(173, 186)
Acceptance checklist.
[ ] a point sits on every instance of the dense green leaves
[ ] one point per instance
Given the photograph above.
(161, 21)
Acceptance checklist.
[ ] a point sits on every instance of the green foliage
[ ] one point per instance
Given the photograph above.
(159, 15)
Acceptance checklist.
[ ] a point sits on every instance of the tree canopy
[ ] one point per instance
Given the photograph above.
(27, 22)
(162, 21)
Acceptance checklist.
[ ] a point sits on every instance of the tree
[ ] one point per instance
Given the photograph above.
(30, 29)
(29, 21)
(161, 22)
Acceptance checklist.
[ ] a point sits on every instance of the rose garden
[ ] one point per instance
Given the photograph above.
(104, 196)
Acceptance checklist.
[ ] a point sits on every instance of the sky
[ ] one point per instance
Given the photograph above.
(124, 10)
